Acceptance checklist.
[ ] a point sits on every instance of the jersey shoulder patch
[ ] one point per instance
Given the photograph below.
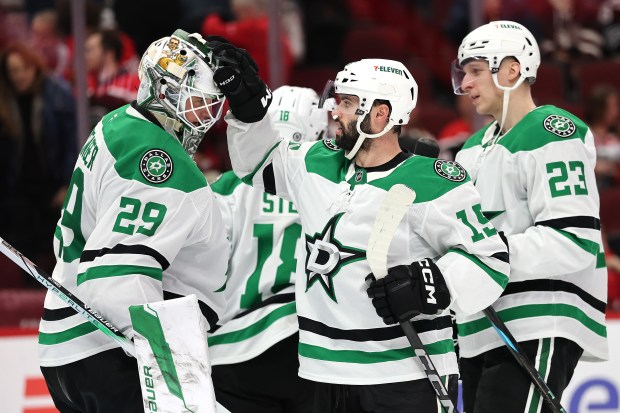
(331, 144)
(542, 126)
(326, 161)
(146, 153)
(431, 178)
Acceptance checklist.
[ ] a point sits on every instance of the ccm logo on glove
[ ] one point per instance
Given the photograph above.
(408, 291)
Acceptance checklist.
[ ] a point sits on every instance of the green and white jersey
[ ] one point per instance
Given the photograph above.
(139, 224)
(537, 185)
(265, 234)
(342, 340)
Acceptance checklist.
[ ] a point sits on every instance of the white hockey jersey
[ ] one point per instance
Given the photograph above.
(342, 340)
(265, 235)
(139, 224)
(537, 185)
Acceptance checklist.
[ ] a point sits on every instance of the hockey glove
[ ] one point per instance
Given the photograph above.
(237, 77)
(409, 290)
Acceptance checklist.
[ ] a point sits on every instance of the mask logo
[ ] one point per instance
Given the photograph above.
(559, 125)
(156, 166)
(450, 170)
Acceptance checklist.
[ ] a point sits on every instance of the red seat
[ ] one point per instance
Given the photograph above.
(594, 73)
(549, 85)
(375, 42)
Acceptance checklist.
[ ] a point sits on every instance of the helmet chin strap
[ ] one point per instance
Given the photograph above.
(506, 99)
(363, 136)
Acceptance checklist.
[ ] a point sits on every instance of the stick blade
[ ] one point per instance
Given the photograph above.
(391, 212)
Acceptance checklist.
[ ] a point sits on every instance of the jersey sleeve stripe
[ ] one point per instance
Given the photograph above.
(589, 246)
(371, 334)
(248, 178)
(58, 314)
(276, 299)
(254, 329)
(534, 310)
(105, 271)
(91, 255)
(554, 285)
(205, 309)
(572, 222)
(269, 179)
(500, 278)
(64, 336)
(367, 357)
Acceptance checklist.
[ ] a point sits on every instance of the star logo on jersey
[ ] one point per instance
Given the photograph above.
(325, 257)
(331, 144)
(450, 170)
(156, 166)
(560, 125)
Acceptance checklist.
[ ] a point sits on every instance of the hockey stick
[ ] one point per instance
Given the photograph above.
(515, 349)
(61, 292)
(391, 212)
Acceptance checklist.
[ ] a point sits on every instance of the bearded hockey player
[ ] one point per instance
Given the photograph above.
(534, 169)
(139, 225)
(358, 362)
(254, 352)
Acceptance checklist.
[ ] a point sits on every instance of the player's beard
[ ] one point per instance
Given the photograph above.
(350, 135)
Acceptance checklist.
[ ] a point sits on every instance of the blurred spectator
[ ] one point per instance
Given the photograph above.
(602, 115)
(250, 31)
(452, 136)
(326, 23)
(145, 20)
(110, 83)
(609, 19)
(38, 146)
(46, 38)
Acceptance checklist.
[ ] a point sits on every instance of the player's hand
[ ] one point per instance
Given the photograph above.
(237, 77)
(408, 291)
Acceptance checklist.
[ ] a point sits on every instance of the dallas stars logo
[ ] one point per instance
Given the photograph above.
(450, 170)
(559, 125)
(156, 166)
(325, 257)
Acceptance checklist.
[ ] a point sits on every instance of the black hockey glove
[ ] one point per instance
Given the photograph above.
(237, 77)
(409, 290)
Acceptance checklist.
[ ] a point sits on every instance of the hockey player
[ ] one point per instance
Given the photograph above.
(254, 353)
(534, 169)
(139, 225)
(358, 362)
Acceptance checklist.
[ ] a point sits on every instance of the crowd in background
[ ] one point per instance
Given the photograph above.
(579, 39)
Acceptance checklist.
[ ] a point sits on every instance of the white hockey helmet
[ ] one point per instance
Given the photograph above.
(295, 113)
(176, 80)
(493, 42)
(376, 79)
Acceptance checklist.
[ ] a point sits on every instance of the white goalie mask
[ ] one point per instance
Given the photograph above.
(370, 80)
(295, 113)
(176, 85)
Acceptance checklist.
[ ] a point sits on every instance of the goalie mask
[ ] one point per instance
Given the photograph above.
(176, 85)
(295, 113)
(370, 80)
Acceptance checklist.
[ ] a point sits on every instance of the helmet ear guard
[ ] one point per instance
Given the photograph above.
(176, 84)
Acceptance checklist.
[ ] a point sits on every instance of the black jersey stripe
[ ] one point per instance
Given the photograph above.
(269, 179)
(90, 255)
(275, 299)
(502, 256)
(572, 222)
(206, 311)
(371, 334)
(554, 285)
(58, 314)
